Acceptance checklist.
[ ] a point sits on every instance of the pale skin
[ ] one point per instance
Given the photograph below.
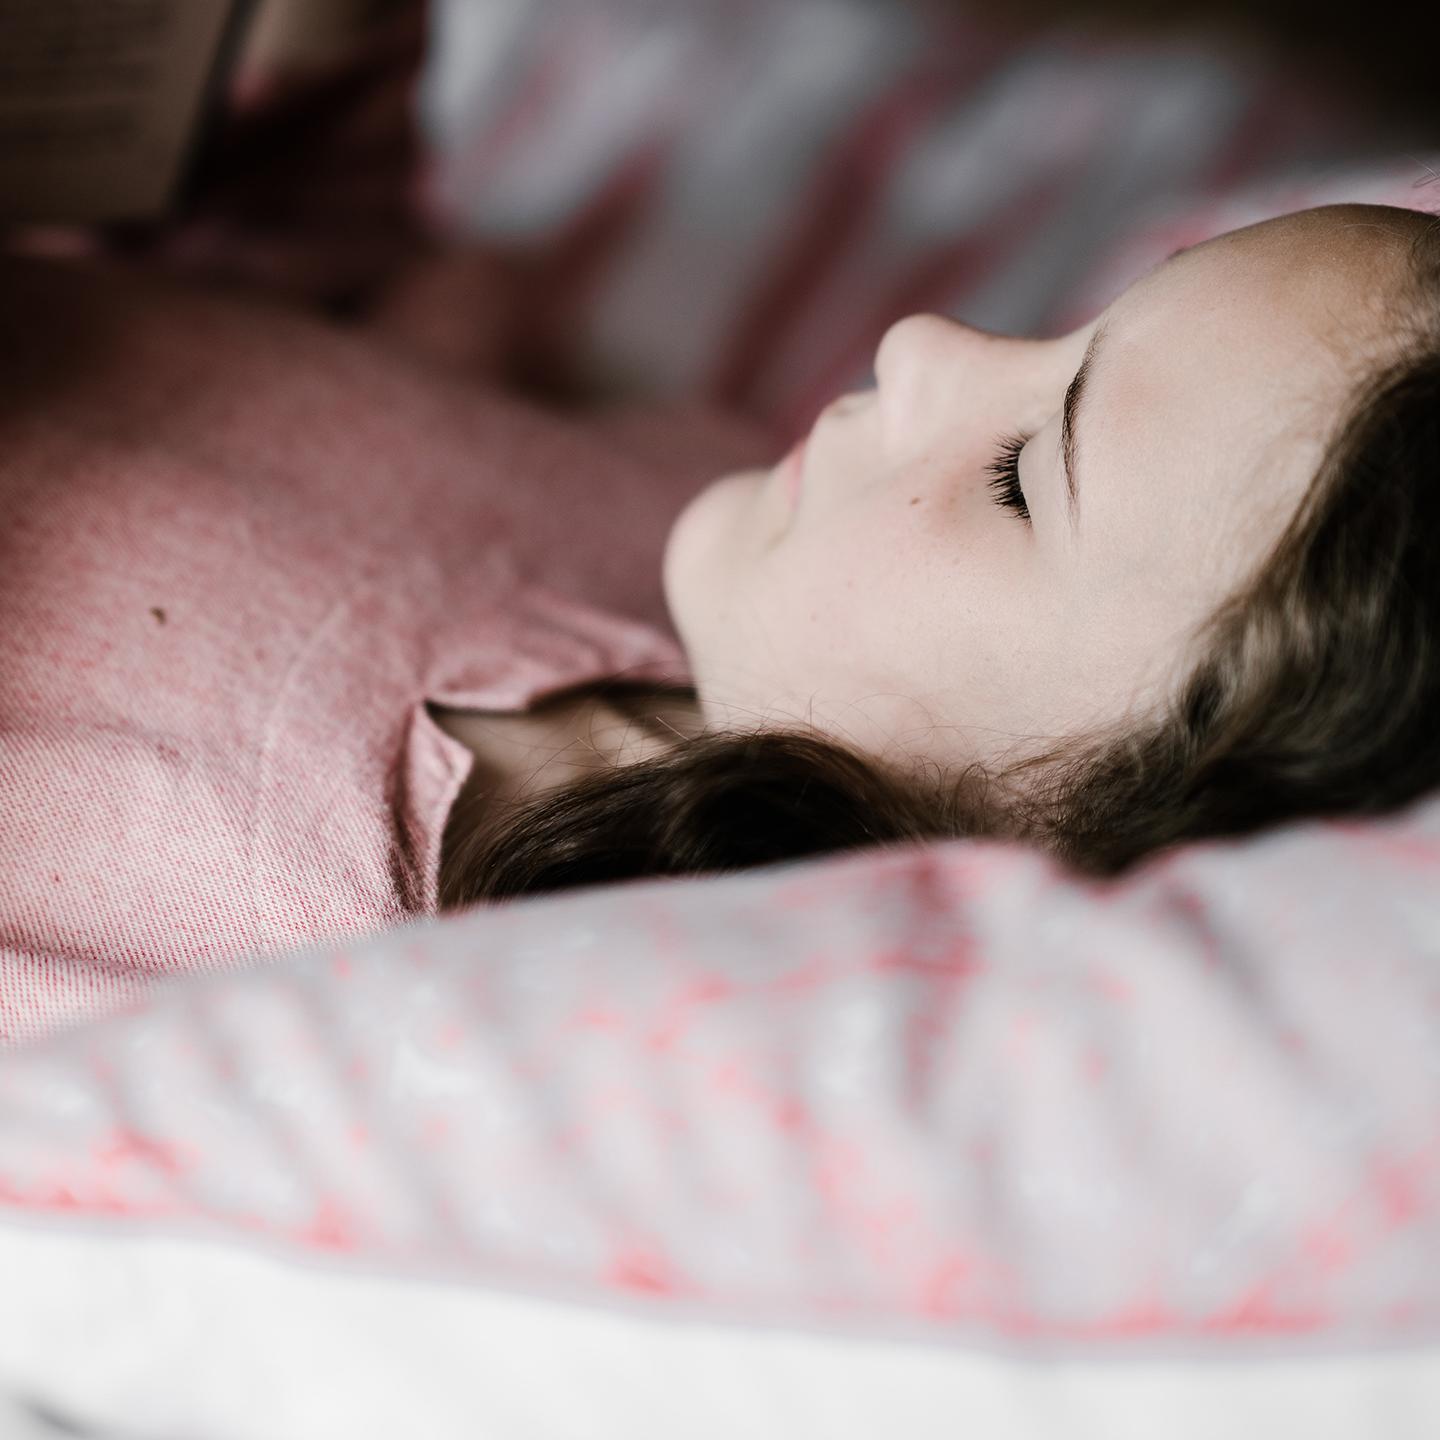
(897, 608)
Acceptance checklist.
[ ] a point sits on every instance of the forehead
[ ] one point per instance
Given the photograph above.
(1211, 406)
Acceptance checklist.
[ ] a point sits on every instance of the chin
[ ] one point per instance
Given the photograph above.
(703, 546)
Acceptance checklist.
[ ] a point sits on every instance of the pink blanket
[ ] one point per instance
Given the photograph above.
(241, 550)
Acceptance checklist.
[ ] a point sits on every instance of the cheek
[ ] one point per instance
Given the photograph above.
(861, 594)
(871, 597)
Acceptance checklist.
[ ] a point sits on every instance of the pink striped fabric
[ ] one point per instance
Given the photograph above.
(240, 550)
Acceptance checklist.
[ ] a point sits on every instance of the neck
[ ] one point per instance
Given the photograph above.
(519, 755)
(667, 716)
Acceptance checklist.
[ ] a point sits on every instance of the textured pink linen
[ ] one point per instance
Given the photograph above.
(240, 550)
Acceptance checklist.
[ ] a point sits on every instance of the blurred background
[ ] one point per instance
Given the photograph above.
(730, 200)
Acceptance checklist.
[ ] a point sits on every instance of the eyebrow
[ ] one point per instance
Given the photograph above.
(1069, 419)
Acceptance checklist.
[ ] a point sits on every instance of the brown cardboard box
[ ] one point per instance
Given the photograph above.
(100, 101)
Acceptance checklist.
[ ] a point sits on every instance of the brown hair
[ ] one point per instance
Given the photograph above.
(1317, 693)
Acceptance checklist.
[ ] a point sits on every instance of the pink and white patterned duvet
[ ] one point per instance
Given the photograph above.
(943, 1086)
(935, 1095)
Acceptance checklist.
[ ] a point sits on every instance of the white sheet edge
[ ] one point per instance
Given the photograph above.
(150, 1336)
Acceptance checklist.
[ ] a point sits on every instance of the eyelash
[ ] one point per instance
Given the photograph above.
(1004, 473)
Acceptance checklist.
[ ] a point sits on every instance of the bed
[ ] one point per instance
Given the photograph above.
(896, 1142)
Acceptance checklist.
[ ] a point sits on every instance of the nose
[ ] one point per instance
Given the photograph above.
(917, 343)
(900, 342)
(929, 364)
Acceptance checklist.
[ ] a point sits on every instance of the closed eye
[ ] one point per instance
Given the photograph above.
(1004, 473)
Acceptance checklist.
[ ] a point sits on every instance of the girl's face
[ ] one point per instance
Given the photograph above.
(898, 603)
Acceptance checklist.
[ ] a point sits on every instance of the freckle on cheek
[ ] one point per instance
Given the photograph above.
(914, 499)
